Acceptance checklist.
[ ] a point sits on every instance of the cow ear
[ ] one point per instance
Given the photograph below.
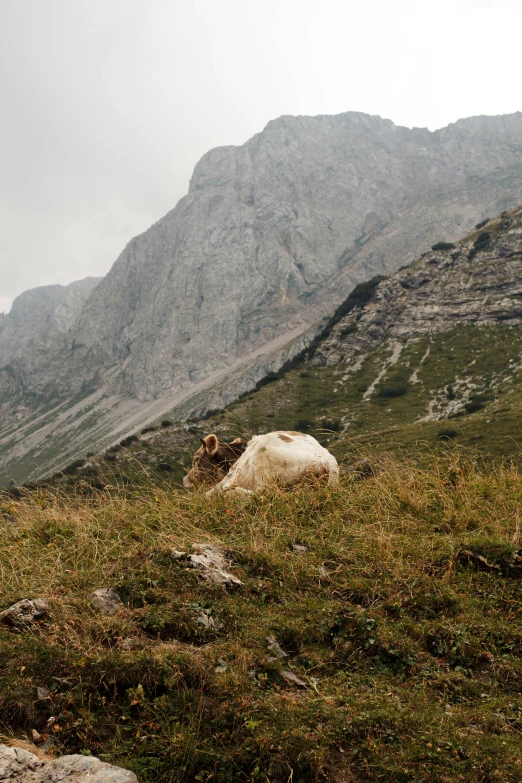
(237, 440)
(211, 444)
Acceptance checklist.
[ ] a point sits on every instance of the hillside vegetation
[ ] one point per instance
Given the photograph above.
(362, 646)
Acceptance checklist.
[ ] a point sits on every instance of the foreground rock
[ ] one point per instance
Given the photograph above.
(210, 562)
(24, 613)
(107, 600)
(20, 766)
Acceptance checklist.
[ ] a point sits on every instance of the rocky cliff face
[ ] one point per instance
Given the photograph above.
(41, 318)
(271, 236)
(476, 282)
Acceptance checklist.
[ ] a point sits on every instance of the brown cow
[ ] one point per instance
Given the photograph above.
(279, 459)
(213, 460)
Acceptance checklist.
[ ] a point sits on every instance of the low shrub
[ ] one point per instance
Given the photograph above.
(443, 246)
(447, 433)
(145, 430)
(482, 223)
(473, 406)
(73, 467)
(128, 441)
(482, 242)
(268, 378)
(332, 424)
(388, 390)
(166, 423)
(304, 424)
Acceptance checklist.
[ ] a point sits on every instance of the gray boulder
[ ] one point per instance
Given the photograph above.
(20, 766)
(107, 600)
(24, 613)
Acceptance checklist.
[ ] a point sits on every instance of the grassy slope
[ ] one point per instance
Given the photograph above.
(486, 358)
(330, 404)
(412, 662)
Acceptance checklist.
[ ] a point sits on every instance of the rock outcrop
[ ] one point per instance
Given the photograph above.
(20, 766)
(477, 281)
(271, 235)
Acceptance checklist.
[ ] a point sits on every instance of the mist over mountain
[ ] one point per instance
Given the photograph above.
(271, 236)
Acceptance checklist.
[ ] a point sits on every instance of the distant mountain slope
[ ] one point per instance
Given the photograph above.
(40, 316)
(271, 235)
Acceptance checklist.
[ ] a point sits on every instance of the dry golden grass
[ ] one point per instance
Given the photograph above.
(412, 662)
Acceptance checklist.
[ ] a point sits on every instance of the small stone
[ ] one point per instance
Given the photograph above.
(24, 613)
(130, 643)
(300, 549)
(210, 561)
(293, 678)
(206, 620)
(42, 693)
(275, 649)
(107, 600)
(221, 665)
(37, 737)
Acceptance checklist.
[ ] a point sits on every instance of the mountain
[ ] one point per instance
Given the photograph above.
(428, 356)
(40, 316)
(270, 237)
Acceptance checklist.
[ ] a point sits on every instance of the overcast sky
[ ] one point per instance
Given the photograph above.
(106, 105)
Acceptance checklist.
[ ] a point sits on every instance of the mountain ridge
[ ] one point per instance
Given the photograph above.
(271, 235)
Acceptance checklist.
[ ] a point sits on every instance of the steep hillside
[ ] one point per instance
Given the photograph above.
(270, 236)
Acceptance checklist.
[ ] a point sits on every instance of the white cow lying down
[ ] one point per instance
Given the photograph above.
(274, 459)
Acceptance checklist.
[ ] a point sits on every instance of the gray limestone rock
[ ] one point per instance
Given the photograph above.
(24, 613)
(107, 600)
(20, 766)
(211, 563)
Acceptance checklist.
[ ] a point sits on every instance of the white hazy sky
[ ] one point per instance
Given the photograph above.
(106, 105)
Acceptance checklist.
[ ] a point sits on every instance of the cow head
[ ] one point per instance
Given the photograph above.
(213, 460)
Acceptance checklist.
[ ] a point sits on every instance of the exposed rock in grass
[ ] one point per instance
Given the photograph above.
(509, 565)
(107, 600)
(275, 649)
(293, 679)
(24, 613)
(210, 561)
(19, 766)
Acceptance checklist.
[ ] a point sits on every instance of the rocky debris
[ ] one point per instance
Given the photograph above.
(511, 565)
(210, 562)
(208, 622)
(24, 613)
(42, 693)
(19, 766)
(221, 665)
(280, 228)
(292, 678)
(275, 649)
(130, 643)
(300, 549)
(107, 600)
(508, 565)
